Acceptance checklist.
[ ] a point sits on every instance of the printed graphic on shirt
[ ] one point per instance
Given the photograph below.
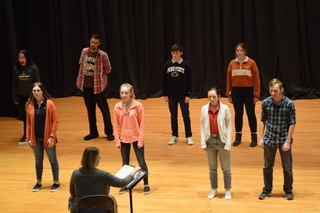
(175, 71)
(89, 66)
(23, 77)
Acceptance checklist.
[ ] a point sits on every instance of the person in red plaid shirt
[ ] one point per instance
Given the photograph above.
(92, 80)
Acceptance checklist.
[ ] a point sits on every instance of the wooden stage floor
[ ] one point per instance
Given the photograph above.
(179, 178)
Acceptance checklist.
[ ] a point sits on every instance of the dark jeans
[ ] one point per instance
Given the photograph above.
(244, 96)
(173, 107)
(286, 160)
(91, 100)
(22, 111)
(38, 151)
(125, 153)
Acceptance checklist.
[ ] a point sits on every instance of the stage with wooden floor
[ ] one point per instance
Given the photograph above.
(179, 176)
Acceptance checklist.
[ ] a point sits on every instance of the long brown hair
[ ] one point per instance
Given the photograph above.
(89, 158)
(45, 94)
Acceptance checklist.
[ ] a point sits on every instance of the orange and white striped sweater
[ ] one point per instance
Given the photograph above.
(243, 75)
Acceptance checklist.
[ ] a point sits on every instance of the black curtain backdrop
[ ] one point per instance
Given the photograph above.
(282, 37)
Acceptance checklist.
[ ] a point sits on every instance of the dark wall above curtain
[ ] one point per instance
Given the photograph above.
(282, 37)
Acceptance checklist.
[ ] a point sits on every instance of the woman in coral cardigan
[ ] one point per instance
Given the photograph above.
(42, 125)
(129, 129)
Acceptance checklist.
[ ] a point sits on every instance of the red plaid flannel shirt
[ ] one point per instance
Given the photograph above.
(102, 67)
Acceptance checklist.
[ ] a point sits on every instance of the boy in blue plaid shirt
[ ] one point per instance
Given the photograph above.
(278, 119)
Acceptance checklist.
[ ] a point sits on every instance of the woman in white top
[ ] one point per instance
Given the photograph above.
(216, 129)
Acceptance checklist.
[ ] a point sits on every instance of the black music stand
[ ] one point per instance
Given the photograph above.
(137, 178)
(124, 171)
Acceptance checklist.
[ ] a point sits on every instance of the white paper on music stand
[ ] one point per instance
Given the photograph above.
(124, 171)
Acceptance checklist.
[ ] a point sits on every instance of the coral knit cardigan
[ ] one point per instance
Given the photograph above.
(51, 123)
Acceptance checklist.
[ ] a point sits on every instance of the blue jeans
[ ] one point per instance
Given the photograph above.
(244, 96)
(286, 160)
(214, 148)
(173, 107)
(125, 153)
(100, 99)
(38, 151)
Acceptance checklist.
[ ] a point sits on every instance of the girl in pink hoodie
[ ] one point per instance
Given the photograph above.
(129, 129)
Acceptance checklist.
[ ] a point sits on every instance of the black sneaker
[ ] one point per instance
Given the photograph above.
(110, 137)
(37, 187)
(236, 143)
(146, 190)
(253, 143)
(23, 139)
(264, 195)
(89, 137)
(289, 196)
(55, 187)
(123, 190)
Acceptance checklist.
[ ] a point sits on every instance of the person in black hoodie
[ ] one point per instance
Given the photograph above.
(177, 88)
(25, 74)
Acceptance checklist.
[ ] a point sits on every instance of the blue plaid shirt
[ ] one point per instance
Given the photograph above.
(278, 119)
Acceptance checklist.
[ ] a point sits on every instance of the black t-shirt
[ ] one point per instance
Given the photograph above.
(89, 70)
(40, 118)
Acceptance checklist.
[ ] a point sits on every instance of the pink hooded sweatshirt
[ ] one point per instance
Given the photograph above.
(129, 127)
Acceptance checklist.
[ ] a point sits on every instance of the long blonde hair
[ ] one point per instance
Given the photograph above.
(130, 87)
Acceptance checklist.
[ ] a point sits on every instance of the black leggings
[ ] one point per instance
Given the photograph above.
(244, 96)
(125, 153)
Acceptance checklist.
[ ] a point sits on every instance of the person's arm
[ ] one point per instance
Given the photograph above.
(106, 64)
(14, 86)
(202, 131)
(119, 182)
(71, 186)
(54, 123)
(262, 129)
(141, 125)
(189, 79)
(256, 82)
(228, 123)
(116, 127)
(292, 121)
(36, 73)
(135, 170)
(286, 146)
(229, 83)
(164, 84)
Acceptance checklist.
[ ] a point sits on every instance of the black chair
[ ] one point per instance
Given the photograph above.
(97, 204)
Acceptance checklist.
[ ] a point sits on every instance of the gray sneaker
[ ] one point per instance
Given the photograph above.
(264, 195)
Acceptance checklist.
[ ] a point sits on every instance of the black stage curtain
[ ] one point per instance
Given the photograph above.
(282, 37)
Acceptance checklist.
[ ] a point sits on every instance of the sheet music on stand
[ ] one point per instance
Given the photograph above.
(126, 170)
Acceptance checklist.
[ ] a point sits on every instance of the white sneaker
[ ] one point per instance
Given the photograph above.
(189, 141)
(173, 140)
(228, 195)
(212, 194)
(25, 143)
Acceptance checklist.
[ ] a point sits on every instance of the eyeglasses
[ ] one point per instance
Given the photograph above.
(95, 43)
(36, 90)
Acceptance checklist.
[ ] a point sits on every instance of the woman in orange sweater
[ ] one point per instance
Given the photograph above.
(243, 88)
(42, 125)
(129, 129)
